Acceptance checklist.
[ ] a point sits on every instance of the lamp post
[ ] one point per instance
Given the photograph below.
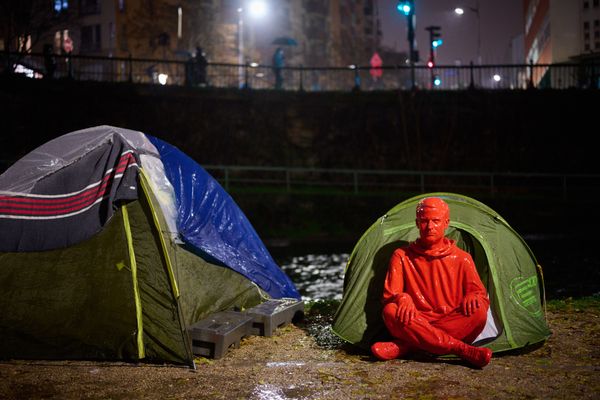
(254, 8)
(461, 11)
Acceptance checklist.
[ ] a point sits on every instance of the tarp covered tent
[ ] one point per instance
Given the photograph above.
(505, 263)
(113, 242)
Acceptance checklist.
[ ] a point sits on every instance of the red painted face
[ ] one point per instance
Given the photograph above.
(432, 221)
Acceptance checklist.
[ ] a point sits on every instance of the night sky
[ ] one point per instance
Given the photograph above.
(501, 21)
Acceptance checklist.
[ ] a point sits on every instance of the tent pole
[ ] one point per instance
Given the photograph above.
(136, 290)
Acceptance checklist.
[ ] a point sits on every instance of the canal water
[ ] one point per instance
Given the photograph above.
(570, 265)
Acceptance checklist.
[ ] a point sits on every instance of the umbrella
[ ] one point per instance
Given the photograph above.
(285, 41)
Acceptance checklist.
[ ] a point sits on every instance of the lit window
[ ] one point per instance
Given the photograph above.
(61, 5)
(179, 22)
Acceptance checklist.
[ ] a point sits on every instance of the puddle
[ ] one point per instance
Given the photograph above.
(285, 364)
(273, 392)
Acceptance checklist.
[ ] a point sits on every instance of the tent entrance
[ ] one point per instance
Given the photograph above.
(469, 243)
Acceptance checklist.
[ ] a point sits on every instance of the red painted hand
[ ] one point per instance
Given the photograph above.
(470, 304)
(406, 309)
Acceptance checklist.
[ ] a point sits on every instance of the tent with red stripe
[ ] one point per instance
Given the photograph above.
(111, 246)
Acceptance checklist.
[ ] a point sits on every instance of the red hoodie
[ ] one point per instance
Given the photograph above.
(437, 280)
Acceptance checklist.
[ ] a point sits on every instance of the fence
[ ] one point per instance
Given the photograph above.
(220, 75)
(354, 181)
(367, 181)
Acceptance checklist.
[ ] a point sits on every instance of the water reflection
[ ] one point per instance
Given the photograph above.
(317, 276)
(571, 267)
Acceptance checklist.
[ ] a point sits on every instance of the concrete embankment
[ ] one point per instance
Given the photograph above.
(485, 131)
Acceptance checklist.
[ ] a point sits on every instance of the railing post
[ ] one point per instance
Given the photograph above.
(356, 79)
(472, 84)
(530, 83)
(7, 55)
(301, 88)
(288, 183)
(69, 60)
(246, 76)
(130, 61)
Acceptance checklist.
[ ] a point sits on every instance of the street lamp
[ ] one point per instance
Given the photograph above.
(255, 9)
(460, 11)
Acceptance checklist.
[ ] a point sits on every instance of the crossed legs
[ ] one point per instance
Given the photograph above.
(447, 335)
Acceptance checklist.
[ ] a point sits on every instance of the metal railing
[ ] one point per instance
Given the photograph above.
(221, 75)
(369, 181)
(365, 181)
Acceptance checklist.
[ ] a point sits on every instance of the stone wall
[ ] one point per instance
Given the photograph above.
(499, 131)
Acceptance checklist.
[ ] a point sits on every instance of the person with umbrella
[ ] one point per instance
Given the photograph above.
(278, 63)
(279, 58)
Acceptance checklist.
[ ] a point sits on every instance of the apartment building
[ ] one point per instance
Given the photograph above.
(559, 31)
(327, 32)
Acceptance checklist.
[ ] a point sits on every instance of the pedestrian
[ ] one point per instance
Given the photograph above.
(278, 64)
(49, 61)
(200, 64)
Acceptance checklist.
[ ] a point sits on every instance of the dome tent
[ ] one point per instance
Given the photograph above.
(113, 242)
(505, 263)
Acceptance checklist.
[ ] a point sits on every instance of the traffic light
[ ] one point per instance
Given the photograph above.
(437, 81)
(406, 7)
(434, 41)
(434, 36)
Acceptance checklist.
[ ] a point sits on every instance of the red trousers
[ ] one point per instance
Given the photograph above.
(436, 336)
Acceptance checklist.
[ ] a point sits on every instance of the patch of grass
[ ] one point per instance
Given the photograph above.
(575, 305)
(321, 308)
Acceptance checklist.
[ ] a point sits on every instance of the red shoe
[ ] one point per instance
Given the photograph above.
(476, 356)
(389, 350)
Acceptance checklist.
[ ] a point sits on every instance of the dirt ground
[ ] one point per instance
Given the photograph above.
(293, 364)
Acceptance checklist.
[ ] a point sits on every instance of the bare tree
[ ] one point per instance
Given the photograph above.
(23, 23)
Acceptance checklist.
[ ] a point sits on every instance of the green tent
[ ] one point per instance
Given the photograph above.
(113, 243)
(505, 263)
(123, 294)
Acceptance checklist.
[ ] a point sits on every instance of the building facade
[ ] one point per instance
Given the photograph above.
(560, 31)
(326, 32)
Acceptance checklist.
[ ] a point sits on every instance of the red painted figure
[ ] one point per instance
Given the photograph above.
(433, 297)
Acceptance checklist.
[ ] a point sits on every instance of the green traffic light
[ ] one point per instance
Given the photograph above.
(405, 7)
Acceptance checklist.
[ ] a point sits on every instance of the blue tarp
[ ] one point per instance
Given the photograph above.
(210, 222)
